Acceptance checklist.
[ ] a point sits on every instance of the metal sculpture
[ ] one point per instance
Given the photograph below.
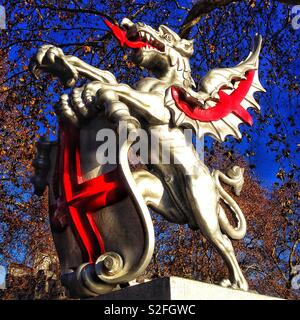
(99, 214)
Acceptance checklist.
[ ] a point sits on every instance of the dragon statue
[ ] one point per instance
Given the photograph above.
(99, 213)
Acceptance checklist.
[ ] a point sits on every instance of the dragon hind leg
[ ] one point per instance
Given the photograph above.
(205, 210)
(205, 201)
(225, 248)
(157, 196)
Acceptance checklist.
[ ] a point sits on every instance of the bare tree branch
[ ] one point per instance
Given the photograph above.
(203, 7)
(88, 11)
(141, 9)
(199, 9)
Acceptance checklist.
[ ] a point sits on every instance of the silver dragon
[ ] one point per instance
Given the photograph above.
(185, 192)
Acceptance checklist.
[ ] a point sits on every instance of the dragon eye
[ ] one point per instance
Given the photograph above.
(168, 37)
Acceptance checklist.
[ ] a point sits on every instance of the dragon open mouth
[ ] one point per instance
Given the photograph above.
(135, 39)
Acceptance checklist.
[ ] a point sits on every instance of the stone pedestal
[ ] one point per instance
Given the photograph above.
(175, 288)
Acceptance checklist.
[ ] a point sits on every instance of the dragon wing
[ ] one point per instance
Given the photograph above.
(222, 102)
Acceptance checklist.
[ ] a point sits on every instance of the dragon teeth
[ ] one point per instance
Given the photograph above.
(152, 43)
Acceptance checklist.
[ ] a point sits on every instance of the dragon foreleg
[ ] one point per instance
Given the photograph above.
(68, 68)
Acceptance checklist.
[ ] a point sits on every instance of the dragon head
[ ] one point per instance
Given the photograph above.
(154, 50)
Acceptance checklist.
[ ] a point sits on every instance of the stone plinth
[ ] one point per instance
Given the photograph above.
(175, 288)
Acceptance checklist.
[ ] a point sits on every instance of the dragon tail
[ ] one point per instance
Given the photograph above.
(234, 178)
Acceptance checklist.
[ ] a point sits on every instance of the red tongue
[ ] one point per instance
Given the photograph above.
(120, 35)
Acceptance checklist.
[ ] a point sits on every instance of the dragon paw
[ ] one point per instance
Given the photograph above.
(226, 283)
(53, 60)
(47, 54)
(238, 284)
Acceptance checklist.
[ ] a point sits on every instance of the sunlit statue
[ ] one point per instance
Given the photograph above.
(99, 212)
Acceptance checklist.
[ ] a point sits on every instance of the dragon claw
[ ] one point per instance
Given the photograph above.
(78, 103)
(51, 56)
(226, 283)
(88, 97)
(238, 284)
(52, 59)
(67, 111)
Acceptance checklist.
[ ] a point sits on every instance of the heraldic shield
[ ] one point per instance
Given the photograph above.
(101, 226)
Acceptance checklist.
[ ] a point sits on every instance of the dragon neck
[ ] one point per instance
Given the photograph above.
(178, 71)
